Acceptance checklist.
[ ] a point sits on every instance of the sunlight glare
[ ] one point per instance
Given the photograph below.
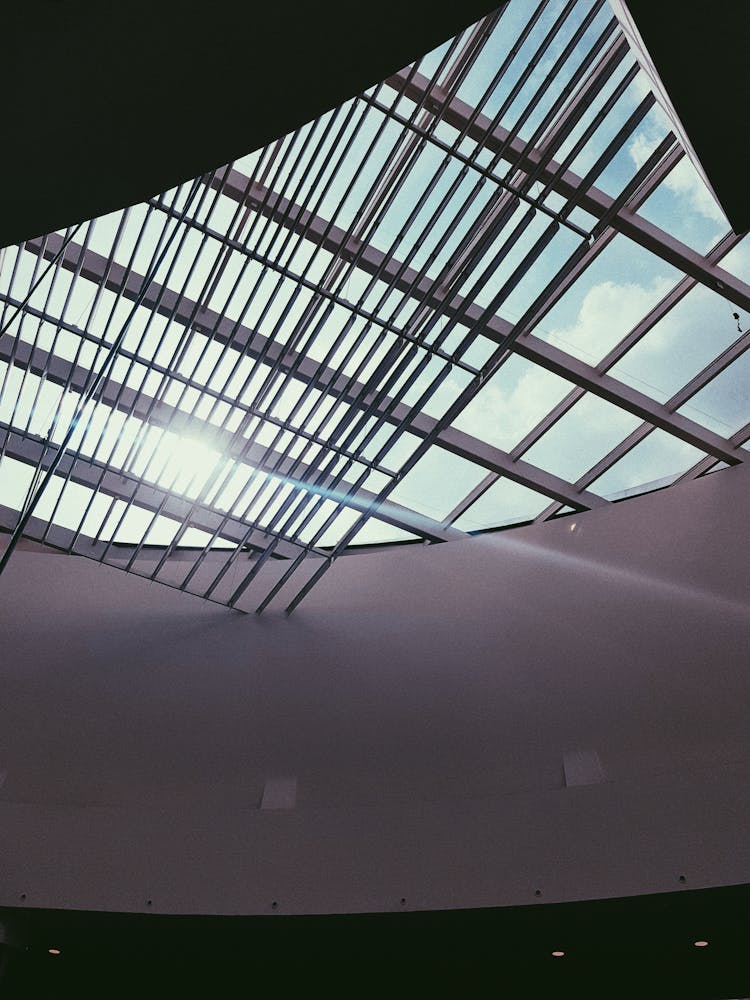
(184, 465)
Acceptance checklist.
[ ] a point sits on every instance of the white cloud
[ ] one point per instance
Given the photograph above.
(608, 312)
(512, 404)
(684, 180)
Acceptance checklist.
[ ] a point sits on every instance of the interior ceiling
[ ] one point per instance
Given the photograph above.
(486, 290)
(108, 104)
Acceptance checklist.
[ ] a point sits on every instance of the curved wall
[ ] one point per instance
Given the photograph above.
(424, 699)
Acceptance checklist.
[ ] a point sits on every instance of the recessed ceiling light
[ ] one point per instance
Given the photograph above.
(701, 944)
(54, 951)
(558, 954)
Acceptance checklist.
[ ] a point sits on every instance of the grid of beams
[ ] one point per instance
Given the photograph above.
(219, 389)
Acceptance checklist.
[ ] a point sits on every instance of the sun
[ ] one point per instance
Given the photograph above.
(183, 465)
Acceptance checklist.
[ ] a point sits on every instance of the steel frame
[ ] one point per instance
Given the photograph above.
(326, 449)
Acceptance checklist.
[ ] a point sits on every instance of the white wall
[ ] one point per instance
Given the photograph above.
(423, 698)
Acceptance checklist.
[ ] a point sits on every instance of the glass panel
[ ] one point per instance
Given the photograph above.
(336, 531)
(605, 130)
(724, 404)
(505, 502)
(617, 289)
(512, 403)
(437, 483)
(15, 479)
(584, 435)
(377, 532)
(737, 261)
(680, 345)
(656, 461)
(682, 205)
(631, 156)
(256, 272)
(540, 274)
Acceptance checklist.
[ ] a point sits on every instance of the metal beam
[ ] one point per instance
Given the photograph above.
(534, 349)
(127, 400)
(625, 397)
(500, 462)
(254, 344)
(568, 184)
(682, 396)
(95, 475)
(665, 305)
(702, 379)
(657, 313)
(739, 438)
(58, 539)
(498, 330)
(531, 162)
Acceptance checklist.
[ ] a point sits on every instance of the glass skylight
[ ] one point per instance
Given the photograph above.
(488, 290)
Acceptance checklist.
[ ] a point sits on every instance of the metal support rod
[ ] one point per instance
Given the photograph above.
(89, 395)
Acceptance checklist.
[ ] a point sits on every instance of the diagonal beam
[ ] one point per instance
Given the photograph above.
(534, 349)
(740, 437)
(678, 292)
(253, 344)
(560, 363)
(584, 376)
(665, 305)
(624, 396)
(373, 261)
(128, 400)
(501, 463)
(682, 396)
(95, 475)
(334, 239)
(568, 184)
